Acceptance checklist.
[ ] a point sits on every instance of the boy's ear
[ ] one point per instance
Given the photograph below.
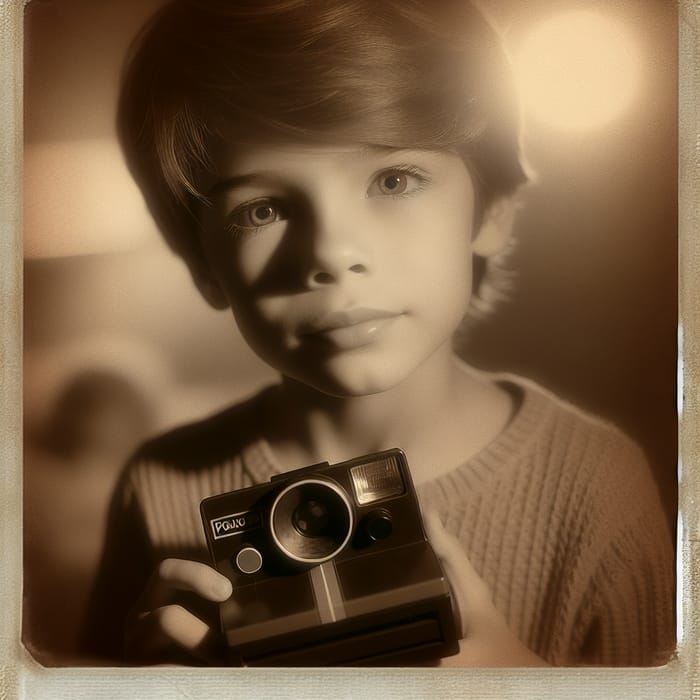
(496, 227)
(209, 288)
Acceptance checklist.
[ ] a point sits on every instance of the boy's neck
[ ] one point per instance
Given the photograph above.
(441, 415)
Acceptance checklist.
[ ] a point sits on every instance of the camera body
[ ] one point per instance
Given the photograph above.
(330, 565)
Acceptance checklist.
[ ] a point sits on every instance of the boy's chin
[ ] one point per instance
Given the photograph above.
(348, 383)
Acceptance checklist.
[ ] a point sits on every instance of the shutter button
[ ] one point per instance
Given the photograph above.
(249, 560)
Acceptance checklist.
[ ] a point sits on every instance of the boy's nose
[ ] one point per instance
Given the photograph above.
(335, 256)
(332, 273)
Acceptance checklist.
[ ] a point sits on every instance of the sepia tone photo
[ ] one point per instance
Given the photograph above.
(428, 250)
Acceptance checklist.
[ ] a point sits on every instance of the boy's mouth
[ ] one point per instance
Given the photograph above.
(347, 330)
(344, 319)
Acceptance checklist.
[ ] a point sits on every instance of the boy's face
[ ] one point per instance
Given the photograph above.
(346, 268)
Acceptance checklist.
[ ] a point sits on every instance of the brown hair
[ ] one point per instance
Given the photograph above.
(401, 73)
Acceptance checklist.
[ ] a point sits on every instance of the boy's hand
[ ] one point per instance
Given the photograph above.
(161, 630)
(487, 640)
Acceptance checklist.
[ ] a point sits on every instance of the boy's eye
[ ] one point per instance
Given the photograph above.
(397, 181)
(256, 214)
(392, 183)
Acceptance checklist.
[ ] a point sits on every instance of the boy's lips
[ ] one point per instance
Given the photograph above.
(346, 330)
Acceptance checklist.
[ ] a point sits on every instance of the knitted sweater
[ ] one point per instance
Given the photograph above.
(559, 515)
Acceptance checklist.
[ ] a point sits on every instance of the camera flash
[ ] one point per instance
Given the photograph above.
(374, 481)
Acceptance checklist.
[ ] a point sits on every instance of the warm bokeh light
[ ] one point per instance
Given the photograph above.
(578, 70)
(80, 199)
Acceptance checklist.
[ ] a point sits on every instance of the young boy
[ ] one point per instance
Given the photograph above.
(340, 174)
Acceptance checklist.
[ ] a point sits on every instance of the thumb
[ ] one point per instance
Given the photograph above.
(471, 594)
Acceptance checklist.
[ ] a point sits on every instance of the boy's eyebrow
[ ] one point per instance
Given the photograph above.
(229, 183)
(372, 149)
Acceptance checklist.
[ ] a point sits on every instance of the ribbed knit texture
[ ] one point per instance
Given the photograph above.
(559, 515)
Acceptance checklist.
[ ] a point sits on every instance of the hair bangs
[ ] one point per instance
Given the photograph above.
(424, 74)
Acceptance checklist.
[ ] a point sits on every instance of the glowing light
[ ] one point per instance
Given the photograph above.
(577, 71)
(79, 199)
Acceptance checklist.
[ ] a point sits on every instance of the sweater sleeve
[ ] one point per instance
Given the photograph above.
(626, 617)
(125, 567)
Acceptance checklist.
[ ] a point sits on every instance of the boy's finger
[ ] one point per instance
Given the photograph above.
(194, 576)
(173, 575)
(444, 550)
(471, 593)
(451, 554)
(180, 626)
(171, 626)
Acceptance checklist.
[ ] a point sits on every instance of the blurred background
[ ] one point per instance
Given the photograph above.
(117, 344)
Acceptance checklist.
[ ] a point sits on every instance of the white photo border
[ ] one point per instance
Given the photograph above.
(22, 677)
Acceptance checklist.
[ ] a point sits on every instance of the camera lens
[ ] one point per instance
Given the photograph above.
(311, 518)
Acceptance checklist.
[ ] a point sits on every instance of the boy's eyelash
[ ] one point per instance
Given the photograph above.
(407, 169)
(236, 230)
(423, 179)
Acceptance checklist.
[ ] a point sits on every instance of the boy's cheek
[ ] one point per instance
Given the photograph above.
(264, 320)
(257, 260)
(441, 261)
(264, 340)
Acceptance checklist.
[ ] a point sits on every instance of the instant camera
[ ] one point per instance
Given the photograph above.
(330, 566)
